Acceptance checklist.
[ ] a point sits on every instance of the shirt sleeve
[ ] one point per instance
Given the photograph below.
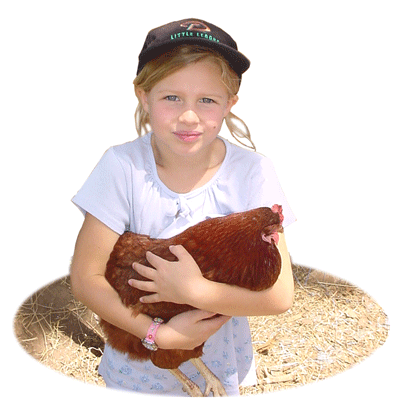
(265, 190)
(104, 194)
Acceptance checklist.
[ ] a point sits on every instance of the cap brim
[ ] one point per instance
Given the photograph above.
(238, 62)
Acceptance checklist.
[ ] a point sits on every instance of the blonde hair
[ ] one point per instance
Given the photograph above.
(170, 62)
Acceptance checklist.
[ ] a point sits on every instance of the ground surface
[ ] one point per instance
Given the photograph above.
(332, 326)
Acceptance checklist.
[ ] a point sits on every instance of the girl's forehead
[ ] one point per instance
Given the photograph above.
(202, 75)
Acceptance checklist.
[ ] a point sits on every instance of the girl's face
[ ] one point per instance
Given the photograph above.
(187, 109)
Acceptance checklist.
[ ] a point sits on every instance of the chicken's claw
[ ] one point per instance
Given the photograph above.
(188, 385)
(216, 387)
(212, 382)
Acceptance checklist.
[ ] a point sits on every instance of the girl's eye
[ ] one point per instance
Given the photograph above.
(171, 98)
(206, 100)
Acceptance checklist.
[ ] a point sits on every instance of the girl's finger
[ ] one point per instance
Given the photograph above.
(145, 286)
(222, 319)
(216, 322)
(179, 251)
(216, 318)
(201, 314)
(154, 259)
(143, 270)
(153, 298)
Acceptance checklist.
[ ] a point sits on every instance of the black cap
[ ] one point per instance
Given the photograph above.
(192, 31)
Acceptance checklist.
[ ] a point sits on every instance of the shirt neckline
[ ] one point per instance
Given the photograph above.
(197, 190)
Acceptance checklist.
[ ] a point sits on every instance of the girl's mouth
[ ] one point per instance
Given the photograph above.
(187, 136)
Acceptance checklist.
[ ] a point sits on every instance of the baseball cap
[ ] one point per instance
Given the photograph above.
(192, 31)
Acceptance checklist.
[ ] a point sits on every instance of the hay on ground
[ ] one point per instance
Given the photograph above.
(331, 326)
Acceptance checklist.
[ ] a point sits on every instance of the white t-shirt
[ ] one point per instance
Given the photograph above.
(125, 193)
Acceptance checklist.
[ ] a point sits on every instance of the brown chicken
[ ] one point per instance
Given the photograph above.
(237, 249)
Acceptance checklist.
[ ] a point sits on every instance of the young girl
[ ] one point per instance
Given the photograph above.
(176, 175)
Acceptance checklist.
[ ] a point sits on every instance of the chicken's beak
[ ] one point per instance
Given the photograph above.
(269, 238)
(266, 238)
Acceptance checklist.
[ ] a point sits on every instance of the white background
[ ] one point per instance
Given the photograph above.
(321, 99)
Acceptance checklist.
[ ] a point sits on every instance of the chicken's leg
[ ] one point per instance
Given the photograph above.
(188, 385)
(212, 382)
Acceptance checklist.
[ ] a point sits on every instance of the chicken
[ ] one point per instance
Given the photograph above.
(237, 249)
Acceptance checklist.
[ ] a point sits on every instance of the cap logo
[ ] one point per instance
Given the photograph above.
(194, 28)
(194, 25)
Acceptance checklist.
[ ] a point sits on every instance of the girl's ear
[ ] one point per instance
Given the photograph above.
(231, 103)
(142, 96)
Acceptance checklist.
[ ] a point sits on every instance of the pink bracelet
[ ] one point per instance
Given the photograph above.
(149, 340)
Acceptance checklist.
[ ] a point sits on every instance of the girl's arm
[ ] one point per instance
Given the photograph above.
(89, 285)
(182, 282)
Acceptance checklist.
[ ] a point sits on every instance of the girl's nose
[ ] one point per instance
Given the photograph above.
(189, 117)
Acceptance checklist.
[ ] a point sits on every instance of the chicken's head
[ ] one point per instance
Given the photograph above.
(270, 232)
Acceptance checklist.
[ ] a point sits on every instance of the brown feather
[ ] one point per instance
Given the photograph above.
(227, 249)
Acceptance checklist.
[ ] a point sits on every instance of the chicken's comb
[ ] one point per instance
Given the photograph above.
(276, 208)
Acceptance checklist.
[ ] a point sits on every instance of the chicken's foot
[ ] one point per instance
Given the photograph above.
(188, 385)
(212, 382)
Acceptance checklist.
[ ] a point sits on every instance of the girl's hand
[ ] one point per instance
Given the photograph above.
(169, 281)
(189, 329)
